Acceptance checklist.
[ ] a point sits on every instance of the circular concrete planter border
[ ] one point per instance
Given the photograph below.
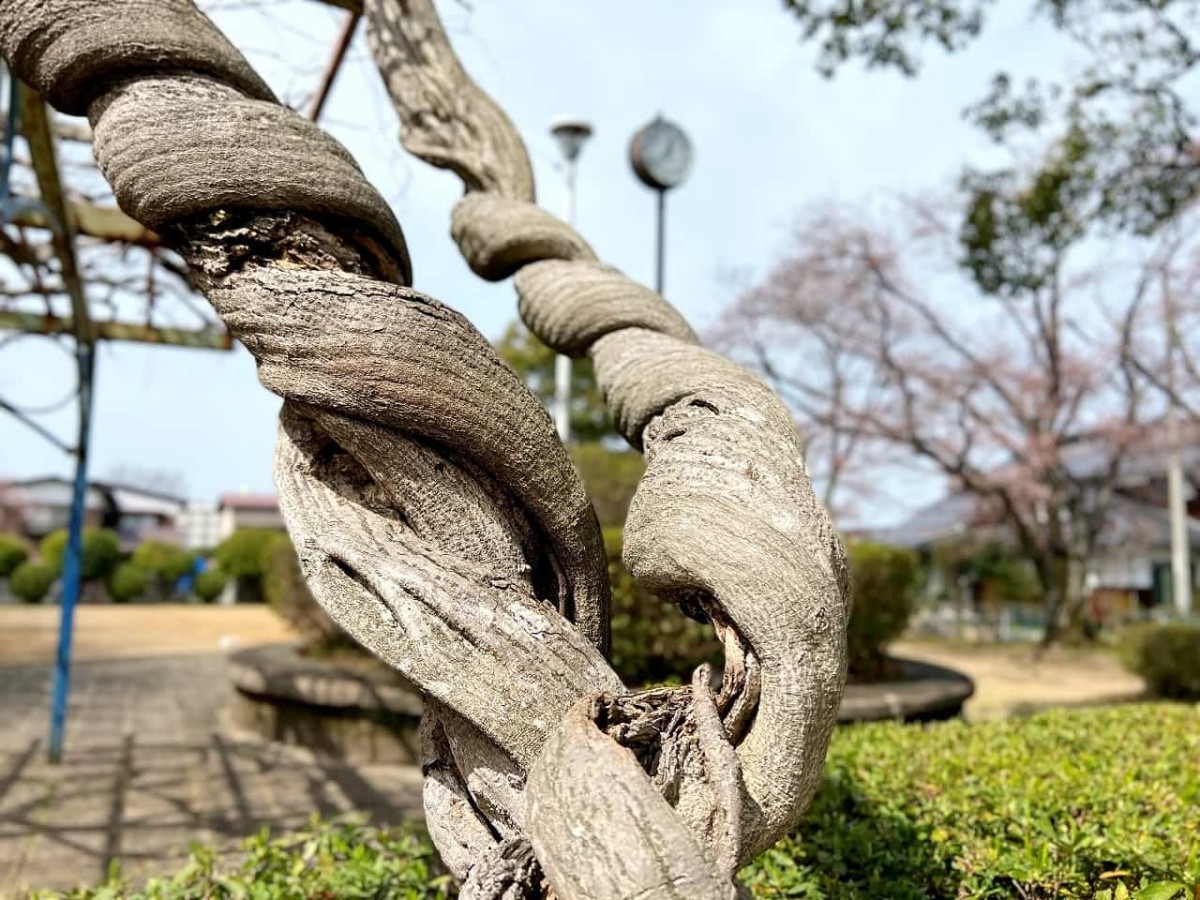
(358, 715)
(373, 716)
(923, 692)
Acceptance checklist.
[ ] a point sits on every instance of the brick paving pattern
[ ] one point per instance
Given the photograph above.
(149, 768)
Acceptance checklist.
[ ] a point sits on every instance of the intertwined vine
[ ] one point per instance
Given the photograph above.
(436, 515)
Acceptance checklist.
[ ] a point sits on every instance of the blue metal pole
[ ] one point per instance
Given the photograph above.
(11, 119)
(72, 580)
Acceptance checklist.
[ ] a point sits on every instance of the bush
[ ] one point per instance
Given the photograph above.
(13, 552)
(209, 584)
(243, 557)
(611, 477)
(652, 641)
(885, 582)
(332, 860)
(244, 553)
(127, 582)
(289, 596)
(163, 562)
(1166, 656)
(31, 581)
(1070, 804)
(101, 552)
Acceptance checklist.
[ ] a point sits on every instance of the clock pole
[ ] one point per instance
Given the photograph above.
(661, 155)
(661, 257)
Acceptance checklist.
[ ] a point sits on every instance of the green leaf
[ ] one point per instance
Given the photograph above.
(1161, 890)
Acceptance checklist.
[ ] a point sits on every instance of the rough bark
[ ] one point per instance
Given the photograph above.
(725, 523)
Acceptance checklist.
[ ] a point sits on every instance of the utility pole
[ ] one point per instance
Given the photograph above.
(1181, 561)
(571, 135)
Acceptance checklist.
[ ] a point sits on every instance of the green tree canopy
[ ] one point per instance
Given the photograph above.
(534, 362)
(1118, 126)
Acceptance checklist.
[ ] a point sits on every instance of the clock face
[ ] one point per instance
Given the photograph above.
(662, 154)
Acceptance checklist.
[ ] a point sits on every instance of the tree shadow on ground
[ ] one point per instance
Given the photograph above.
(849, 847)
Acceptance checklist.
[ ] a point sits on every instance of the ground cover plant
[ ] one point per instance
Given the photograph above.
(1096, 804)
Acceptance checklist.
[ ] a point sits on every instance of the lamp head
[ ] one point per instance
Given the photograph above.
(571, 135)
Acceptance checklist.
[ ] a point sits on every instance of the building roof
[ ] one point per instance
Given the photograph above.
(248, 501)
(53, 490)
(1132, 524)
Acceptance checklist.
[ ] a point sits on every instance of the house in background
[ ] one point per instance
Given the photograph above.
(1131, 572)
(35, 507)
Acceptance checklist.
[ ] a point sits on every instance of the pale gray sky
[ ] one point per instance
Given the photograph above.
(770, 136)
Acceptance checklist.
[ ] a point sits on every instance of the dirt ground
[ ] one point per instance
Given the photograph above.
(29, 634)
(1015, 679)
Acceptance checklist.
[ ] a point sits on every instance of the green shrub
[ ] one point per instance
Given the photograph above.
(128, 581)
(1067, 804)
(209, 584)
(164, 563)
(328, 862)
(288, 595)
(243, 557)
(1096, 804)
(244, 553)
(611, 477)
(101, 551)
(13, 552)
(1166, 656)
(885, 582)
(652, 641)
(31, 581)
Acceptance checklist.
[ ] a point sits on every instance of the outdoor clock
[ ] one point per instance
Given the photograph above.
(661, 154)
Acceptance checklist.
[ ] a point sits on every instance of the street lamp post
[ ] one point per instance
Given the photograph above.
(661, 155)
(571, 135)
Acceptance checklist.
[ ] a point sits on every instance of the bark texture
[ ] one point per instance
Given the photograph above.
(662, 793)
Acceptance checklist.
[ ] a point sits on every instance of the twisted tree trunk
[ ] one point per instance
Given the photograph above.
(436, 516)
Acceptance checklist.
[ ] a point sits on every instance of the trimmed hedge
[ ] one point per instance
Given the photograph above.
(1166, 656)
(885, 584)
(209, 584)
(13, 552)
(101, 551)
(31, 581)
(653, 642)
(127, 582)
(1093, 804)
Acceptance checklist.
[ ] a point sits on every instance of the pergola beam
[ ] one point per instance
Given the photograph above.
(38, 135)
(198, 338)
(104, 222)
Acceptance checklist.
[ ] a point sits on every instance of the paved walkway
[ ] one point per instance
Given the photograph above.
(149, 769)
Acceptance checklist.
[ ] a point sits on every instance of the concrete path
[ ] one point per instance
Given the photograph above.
(149, 768)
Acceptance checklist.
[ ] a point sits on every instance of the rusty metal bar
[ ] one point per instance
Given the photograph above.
(40, 138)
(105, 222)
(335, 64)
(197, 338)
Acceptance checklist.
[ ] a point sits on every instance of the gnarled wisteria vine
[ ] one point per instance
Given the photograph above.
(436, 515)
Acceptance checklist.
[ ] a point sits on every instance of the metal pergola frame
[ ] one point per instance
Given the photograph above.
(66, 219)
